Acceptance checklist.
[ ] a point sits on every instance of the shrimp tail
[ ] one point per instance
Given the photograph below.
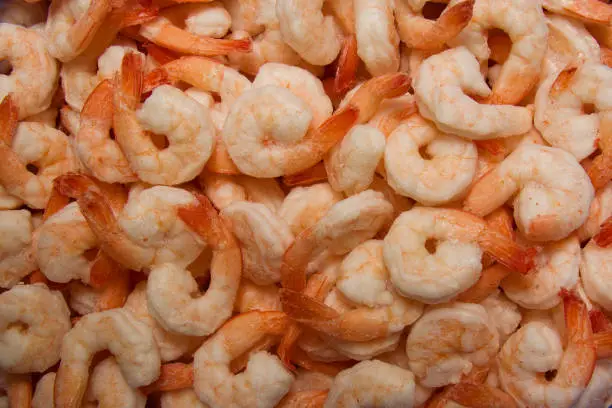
(130, 80)
(495, 147)
(595, 11)
(9, 115)
(371, 94)
(451, 23)
(159, 54)
(600, 171)
(295, 260)
(73, 185)
(102, 270)
(599, 321)
(487, 283)
(204, 218)
(603, 344)
(507, 252)
(347, 66)
(304, 399)
(115, 292)
(332, 369)
(155, 78)
(480, 396)
(604, 237)
(286, 348)
(488, 194)
(56, 202)
(304, 308)
(390, 121)
(135, 15)
(314, 174)
(220, 162)
(173, 376)
(99, 103)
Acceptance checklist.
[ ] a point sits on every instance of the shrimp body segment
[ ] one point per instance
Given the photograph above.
(595, 272)
(16, 254)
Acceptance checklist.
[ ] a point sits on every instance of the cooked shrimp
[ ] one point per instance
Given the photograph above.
(592, 11)
(20, 12)
(421, 33)
(185, 398)
(108, 388)
(251, 16)
(504, 313)
(440, 85)
(598, 392)
(537, 348)
(16, 255)
(594, 271)
(173, 376)
(43, 394)
(18, 389)
(264, 382)
(438, 175)
(315, 37)
(304, 399)
(425, 274)
(8, 201)
(33, 78)
(449, 341)
(560, 104)
(600, 171)
(168, 111)
(305, 206)
(546, 207)
(264, 237)
(34, 320)
(118, 330)
(253, 297)
(208, 19)
(223, 190)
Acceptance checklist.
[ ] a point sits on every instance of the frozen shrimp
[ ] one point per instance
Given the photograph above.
(43, 394)
(440, 173)
(591, 11)
(185, 398)
(209, 19)
(34, 321)
(440, 87)
(108, 388)
(504, 313)
(315, 37)
(222, 189)
(20, 12)
(594, 271)
(264, 237)
(546, 207)
(252, 297)
(423, 34)
(555, 268)
(264, 382)
(560, 102)
(16, 255)
(185, 122)
(449, 341)
(33, 78)
(537, 348)
(129, 340)
(423, 273)
(305, 206)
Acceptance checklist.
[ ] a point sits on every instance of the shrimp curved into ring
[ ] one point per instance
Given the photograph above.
(455, 264)
(305, 206)
(560, 104)
(33, 323)
(108, 388)
(536, 348)
(265, 380)
(595, 269)
(591, 11)
(16, 255)
(547, 207)
(33, 79)
(439, 90)
(118, 330)
(439, 175)
(167, 111)
(556, 267)
(315, 37)
(449, 341)
(372, 383)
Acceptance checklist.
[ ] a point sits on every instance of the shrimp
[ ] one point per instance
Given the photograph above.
(16, 255)
(377, 38)
(304, 399)
(427, 165)
(99, 153)
(439, 87)
(252, 297)
(108, 388)
(264, 237)
(33, 78)
(173, 376)
(600, 171)
(305, 206)
(423, 273)
(556, 268)
(43, 394)
(209, 19)
(546, 207)
(560, 101)
(185, 398)
(423, 34)
(119, 331)
(20, 12)
(505, 314)
(594, 269)
(448, 341)
(536, 348)
(598, 392)
(591, 11)
(264, 382)
(315, 37)
(18, 388)
(168, 111)
(372, 383)
(34, 320)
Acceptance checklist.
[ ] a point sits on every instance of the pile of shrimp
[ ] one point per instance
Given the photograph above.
(305, 203)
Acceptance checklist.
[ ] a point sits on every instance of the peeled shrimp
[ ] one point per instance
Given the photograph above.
(504, 313)
(108, 388)
(43, 394)
(265, 380)
(586, 10)
(223, 190)
(440, 88)
(449, 341)
(34, 321)
(559, 107)
(439, 175)
(536, 348)
(595, 269)
(304, 206)
(600, 210)
(128, 339)
(547, 207)
(16, 255)
(455, 263)
(252, 297)
(208, 19)
(598, 392)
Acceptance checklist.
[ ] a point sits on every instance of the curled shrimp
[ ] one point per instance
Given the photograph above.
(33, 78)
(424, 273)
(536, 348)
(187, 125)
(594, 272)
(224, 190)
(33, 322)
(118, 330)
(448, 341)
(264, 382)
(546, 207)
(16, 255)
(591, 11)
(304, 206)
(440, 88)
(315, 37)
(108, 388)
(443, 172)
(170, 289)
(559, 107)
